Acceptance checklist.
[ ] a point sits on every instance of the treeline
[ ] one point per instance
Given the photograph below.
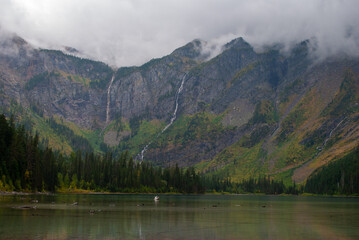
(252, 185)
(123, 174)
(24, 166)
(339, 177)
(76, 142)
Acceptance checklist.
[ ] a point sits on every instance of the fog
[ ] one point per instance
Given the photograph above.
(131, 32)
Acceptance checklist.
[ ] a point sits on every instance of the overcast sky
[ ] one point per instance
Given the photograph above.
(131, 32)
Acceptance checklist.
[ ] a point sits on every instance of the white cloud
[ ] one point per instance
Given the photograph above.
(130, 32)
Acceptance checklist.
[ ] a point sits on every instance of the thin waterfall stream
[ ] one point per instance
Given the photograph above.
(330, 135)
(174, 116)
(108, 100)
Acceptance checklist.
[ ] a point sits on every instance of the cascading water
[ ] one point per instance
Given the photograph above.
(144, 150)
(108, 100)
(330, 135)
(176, 108)
(174, 116)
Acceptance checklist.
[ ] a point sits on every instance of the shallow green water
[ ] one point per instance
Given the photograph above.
(178, 217)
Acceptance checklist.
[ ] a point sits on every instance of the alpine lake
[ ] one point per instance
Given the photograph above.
(118, 216)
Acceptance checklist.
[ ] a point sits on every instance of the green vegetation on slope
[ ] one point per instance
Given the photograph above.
(91, 136)
(143, 132)
(338, 177)
(77, 142)
(264, 112)
(236, 162)
(25, 166)
(42, 79)
(55, 132)
(201, 126)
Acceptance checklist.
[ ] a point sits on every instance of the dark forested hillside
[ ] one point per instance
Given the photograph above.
(25, 166)
(339, 177)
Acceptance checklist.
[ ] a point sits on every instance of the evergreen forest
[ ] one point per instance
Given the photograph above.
(27, 165)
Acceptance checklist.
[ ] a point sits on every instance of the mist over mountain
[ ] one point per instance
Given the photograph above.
(126, 33)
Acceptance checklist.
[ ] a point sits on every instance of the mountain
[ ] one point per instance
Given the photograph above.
(241, 113)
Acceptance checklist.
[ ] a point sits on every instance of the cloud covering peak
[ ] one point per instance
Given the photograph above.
(131, 32)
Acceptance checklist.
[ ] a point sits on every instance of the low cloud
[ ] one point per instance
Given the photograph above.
(131, 32)
(11, 45)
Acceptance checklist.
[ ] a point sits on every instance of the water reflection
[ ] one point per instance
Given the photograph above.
(178, 217)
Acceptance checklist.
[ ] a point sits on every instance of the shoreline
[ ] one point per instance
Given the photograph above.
(24, 193)
(86, 192)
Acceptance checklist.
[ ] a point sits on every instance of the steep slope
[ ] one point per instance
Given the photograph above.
(38, 84)
(305, 136)
(242, 113)
(60, 84)
(229, 87)
(246, 113)
(142, 98)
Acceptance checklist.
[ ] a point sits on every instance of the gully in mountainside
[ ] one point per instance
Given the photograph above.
(174, 116)
(108, 100)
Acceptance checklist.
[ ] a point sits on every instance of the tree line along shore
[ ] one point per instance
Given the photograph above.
(27, 166)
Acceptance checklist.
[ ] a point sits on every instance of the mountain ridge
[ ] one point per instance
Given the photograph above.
(241, 113)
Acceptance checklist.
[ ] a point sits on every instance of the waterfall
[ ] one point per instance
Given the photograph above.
(145, 149)
(174, 115)
(330, 135)
(173, 118)
(108, 100)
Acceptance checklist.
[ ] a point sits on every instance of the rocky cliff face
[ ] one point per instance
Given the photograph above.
(58, 84)
(247, 113)
(149, 91)
(241, 113)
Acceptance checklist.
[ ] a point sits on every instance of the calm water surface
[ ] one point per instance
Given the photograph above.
(178, 217)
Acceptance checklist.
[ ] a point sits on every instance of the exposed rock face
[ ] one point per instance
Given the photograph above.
(149, 91)
(241, 111)
(231, 85)
(73, 101)
(59, 84)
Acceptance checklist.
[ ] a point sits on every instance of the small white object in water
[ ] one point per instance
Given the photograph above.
(157, 198)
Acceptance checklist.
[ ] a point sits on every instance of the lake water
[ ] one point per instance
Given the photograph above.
(178, 217)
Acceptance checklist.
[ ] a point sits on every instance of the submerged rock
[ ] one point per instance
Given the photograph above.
(25, 207)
